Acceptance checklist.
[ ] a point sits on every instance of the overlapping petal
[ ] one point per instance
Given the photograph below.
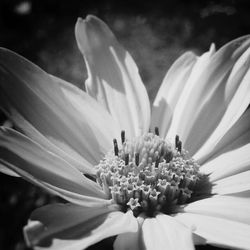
(171, 88)
(236, 137)
(218, 231)
(49, 105)
(74, 227)
(218, 97)
(227, 207)
(113, 77)
(31, 160)
(178, 119)
(228, 164)
(164, 232)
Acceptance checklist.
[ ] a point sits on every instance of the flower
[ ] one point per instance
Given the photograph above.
(145, 187)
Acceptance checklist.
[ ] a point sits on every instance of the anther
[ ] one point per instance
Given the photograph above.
(177, 139)
(116, 150)
(123, 136)
(126, 159)
(157, 131)
(137, 159)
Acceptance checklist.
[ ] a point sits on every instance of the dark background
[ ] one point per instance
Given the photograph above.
(154, 32)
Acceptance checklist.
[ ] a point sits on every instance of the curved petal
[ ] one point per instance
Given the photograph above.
(228, 102)
(233, 184)
(131, 240)
(113, 77)
(228, 164)
(237, 136)
(5, 170)
(75, 227)
(215, 91)
(46, 103)
(227, 207)
(218, 231)
(164, 232)
(29, 157)
(188, 93)
(170, 91)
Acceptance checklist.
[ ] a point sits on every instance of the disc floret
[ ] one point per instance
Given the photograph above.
(148, 174)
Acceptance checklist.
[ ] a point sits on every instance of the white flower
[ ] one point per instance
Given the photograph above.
(142, 191)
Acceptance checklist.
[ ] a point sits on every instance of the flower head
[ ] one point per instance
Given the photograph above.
(186, 182)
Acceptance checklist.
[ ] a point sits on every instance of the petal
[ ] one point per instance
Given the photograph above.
(232, 184)
(164, 232)
(237, 136)
(33, 160)
(131, 240)
(227, 207)
(113, 77)
(5, 170)
(58, 218)
(216, 91)
(170, 91)
(46, 103)
(218, 231)
(228, 102)
(75, 227)
(188, 93)
(227, 164)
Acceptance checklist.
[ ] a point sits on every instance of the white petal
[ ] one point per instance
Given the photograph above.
(226, 104)
(46, 103)
(189, 92)
(5, 170)
(232, 184)
(227, 164)
(130, 241)
(91, 230)
(227, 207)
(164, 232)
(33, 160)
(211, 94)
(170, 91)
(218, 231)
(58, 218)
(237, 136)
(113, 77)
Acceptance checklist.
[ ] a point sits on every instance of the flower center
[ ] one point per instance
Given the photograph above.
(148, 174)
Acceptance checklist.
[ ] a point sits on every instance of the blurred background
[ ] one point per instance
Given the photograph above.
(154, 32)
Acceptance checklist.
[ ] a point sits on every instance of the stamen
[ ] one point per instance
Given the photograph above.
(123, 136)
(116, 150)
(176, 141)
(157, 131)
(137, 159)
(179, 146)
(148, 174)
(126, 159)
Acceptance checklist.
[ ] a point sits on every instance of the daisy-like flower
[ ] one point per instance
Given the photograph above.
(186, 182)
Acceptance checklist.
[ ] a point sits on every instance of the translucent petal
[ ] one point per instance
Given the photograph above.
(228, 102)
(227, 207)
(46, 103)
(237, 136)
(190, 91)
(227, 164)
(131, 240)
(86, 227)
(32, 159)
(232, 184)
(113, 77)
(164, 232)
(218, 231)
(170, 91)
